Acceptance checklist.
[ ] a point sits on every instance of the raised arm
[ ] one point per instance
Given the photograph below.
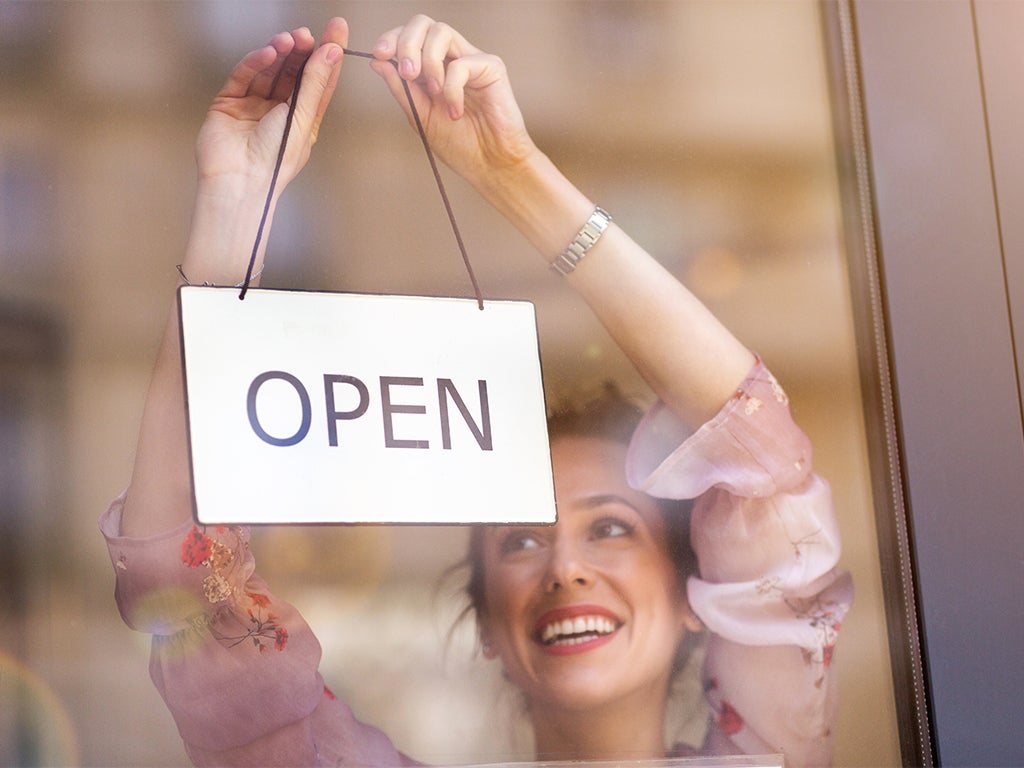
(474, 124)
(235, 154)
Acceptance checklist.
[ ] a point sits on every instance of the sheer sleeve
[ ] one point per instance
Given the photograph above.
(236, 666)
(768, 587)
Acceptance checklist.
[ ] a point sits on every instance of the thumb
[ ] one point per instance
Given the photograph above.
(319, 79)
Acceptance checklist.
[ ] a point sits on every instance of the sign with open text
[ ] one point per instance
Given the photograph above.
(332, 407)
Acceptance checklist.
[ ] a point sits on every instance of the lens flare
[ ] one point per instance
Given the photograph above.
(35, 728)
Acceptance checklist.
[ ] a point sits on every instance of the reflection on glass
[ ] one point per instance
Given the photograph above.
(703, 126)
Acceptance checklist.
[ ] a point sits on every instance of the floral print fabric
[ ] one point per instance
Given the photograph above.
(199, 550)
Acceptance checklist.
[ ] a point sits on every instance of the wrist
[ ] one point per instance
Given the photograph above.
(233, 190)
(539, 201)
(225, 220)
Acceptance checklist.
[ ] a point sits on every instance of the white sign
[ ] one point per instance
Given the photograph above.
(330, 407)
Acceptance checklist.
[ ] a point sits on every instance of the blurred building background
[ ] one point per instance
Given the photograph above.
(703, 126)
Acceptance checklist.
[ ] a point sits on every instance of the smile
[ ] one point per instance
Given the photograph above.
(575, 631)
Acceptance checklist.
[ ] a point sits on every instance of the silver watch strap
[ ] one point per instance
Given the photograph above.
(568, 259)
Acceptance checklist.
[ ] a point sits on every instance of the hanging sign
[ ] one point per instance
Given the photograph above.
(331, 407)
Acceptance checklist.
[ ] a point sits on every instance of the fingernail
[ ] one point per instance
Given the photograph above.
(453, 112)
(434, 86)
(406, 68)
(334, 55)
(382, 45)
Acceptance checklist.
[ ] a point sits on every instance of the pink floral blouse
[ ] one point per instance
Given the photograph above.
(238, 668)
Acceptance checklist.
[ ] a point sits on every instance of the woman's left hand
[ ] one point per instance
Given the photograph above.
(474, 124)
(462, 95)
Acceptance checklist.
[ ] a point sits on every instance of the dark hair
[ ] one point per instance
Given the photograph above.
(613, 416)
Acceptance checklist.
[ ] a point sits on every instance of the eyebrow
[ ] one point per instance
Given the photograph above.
(601, 499)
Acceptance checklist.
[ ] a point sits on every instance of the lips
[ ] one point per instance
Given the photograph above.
(575, 629)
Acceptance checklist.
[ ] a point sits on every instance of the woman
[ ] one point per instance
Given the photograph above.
(586, 617)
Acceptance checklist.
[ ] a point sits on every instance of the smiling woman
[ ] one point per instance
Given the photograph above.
(589, 613)
(588, 618)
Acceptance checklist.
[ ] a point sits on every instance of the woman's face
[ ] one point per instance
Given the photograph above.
(587, 610)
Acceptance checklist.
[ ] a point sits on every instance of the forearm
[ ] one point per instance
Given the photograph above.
(686, 355)
(223, 230)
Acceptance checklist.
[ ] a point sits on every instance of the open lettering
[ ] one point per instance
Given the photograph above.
(392, 402)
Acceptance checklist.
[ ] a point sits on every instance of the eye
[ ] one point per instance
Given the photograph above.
(519, 541)
(611, 528)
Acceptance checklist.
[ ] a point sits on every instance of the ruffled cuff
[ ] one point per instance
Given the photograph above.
(768, 572)
(236, 667)
(750, 448)
(174, 580)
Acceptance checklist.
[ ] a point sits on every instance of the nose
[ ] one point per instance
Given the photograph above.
(567, 567)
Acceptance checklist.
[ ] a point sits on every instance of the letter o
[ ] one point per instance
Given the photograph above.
(307, 410)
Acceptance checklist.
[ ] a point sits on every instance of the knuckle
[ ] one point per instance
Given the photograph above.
(494, 60)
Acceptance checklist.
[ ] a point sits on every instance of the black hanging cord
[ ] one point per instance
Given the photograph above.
(273, 179)
(426, 147)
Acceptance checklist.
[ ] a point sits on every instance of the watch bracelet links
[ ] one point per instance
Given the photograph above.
(585, 239)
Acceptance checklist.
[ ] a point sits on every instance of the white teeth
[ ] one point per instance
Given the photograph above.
(578, 630)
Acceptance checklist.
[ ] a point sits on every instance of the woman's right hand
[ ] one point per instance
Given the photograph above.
(462, 95)
(239, 140)
(238, 144)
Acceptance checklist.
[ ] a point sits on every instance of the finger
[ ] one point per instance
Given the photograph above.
(424, 45)
(292, 64)
(395, 84)
(335, 31)
(409, 46)
(442, 44)
(433, 53)
(384, 48)
(263, 83)
(403, 44)
(318, 81)
(476, 72)
(447, 42)
(246, 71)
(323, 68)
(454, 91)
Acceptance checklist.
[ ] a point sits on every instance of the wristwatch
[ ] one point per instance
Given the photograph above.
(568, 259)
